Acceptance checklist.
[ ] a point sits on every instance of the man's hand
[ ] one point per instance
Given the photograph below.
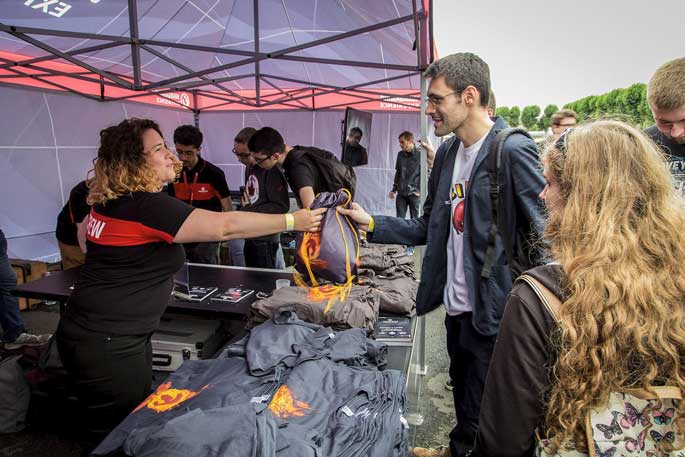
(430, 152)
(357, 214)
(418, 194)
(243, 199)
(392, 195)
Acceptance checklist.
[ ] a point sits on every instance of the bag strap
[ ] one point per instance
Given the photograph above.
(553, 305)
(494, 165)
(546, 296)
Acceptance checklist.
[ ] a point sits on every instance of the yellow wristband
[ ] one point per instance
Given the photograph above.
(289, 222)
(372, 224)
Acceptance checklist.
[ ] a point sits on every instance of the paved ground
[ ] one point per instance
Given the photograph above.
(435, 403)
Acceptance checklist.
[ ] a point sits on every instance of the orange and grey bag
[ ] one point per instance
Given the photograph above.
(332, 253)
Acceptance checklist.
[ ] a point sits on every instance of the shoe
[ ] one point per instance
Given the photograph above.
(430, 452)
(448, 385)
(27, 339)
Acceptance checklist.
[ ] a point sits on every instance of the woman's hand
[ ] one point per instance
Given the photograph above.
(357, 214)
(307, 220)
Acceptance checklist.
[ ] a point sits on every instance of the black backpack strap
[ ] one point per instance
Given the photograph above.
(494, 164)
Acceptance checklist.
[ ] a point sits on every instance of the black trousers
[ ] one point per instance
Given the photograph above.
(260, 253)
(470, 354)
(207, 253)
(402, 202)
(112, 375)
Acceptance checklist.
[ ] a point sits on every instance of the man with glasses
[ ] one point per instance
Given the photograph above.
(562, 120)
(309, 170)
(266, 191)
(666, 97)
(455, 226)
(202, 185)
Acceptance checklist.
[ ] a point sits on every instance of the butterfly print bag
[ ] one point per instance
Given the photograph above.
(634, 422)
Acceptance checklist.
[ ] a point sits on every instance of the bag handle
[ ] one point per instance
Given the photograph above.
(546, 296)
(553, 305)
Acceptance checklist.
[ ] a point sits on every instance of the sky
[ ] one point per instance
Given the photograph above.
(554, 52)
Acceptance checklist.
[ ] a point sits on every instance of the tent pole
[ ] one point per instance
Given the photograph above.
(255, 12)
(196, 110)
(135, 44)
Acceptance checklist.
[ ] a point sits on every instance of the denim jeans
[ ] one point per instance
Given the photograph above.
(10, 319)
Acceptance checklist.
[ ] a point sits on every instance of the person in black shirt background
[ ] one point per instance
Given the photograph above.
(133, 235)
(301, 171)
(354, 154)
(201, 184)
(266, 191)
(68, 222)
(407, 184)
(666, 97)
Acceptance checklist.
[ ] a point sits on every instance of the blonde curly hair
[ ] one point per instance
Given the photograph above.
(121, 166)
(619, 234)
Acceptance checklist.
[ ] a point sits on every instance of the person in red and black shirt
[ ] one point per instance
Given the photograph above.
(133, 235)
(68, 221)
(200, 184)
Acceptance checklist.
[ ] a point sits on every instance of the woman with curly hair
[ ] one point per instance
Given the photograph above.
(133, 237)
(617, 234)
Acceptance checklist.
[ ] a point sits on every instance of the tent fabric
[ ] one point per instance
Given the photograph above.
(49, 142)
(272, 45)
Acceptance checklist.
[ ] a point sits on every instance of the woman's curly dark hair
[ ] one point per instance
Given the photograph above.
(120, 166)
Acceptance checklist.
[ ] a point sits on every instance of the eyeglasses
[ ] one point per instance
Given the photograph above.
(435, 100)
(258, 161)
(239, 155)
(562, 142)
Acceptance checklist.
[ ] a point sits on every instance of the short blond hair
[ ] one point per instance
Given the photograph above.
(666, 89)
(563, 114)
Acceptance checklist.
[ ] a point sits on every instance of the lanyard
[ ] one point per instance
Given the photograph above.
(192, 187)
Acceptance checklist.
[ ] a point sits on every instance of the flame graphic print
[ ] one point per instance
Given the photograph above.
(310, 250)
(166, 398)
(284, 405)
(329, 293)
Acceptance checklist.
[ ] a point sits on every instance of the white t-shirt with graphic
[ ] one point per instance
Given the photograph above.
(456, 295)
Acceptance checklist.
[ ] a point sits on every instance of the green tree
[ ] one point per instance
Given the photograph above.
(514, 116)
(546, 118)
(503, 112)
(529, 116)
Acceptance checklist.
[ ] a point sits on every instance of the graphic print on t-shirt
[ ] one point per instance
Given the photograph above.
(252, 189)
(458, 192)
(677, 166)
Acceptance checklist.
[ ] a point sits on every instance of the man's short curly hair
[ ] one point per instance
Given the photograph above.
(121, 166)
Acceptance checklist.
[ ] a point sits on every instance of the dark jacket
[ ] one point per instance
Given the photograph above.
(271, 191)
(520, 189)
(518, 381)
(407, 173)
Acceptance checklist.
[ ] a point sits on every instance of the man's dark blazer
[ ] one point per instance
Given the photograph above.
(521, 183)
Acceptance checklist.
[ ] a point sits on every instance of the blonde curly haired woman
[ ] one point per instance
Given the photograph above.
(133, 236)
(617, 233)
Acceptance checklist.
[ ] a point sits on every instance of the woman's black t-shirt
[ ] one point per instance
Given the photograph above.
(126, 281)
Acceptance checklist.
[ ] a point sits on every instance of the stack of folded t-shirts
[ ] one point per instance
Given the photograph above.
(390, 270)
(335, 306)
(292, 389)
(382, 258)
